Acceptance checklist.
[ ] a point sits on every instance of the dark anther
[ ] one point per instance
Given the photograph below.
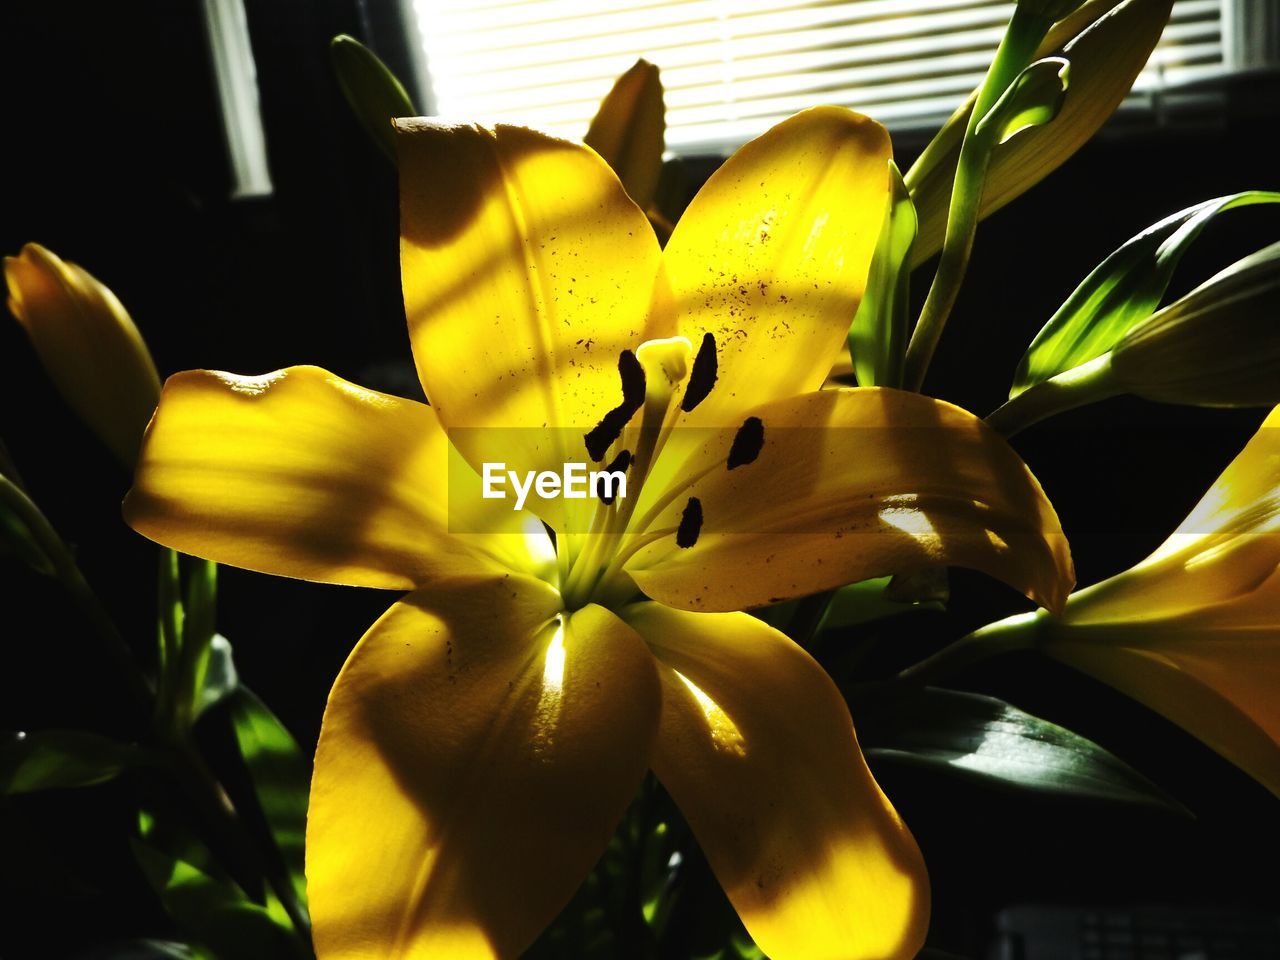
(747, 443)
(620, 463)
(612, 423)
(690, 524)
(703, 376)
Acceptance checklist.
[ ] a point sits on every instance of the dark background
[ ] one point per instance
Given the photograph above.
(113, 157)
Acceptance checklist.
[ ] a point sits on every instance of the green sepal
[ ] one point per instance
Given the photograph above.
(60, 759)
(1032, 100)
(986, 740)
(374, 93)
(878, 334)
(1121, 292)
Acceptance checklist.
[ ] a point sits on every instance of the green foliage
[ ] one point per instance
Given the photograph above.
(1121, 292)
(212, 912)
(1032, 100)
(57, 759)
(987, 740)
(373, 92)
(878, 335)
(281, 778)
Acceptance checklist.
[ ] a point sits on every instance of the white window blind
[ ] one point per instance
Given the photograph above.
(732, 68)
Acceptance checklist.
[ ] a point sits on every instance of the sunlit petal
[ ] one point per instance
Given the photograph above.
(302, 474)
(852, 484)
(772, 255)
(477, 752)
(526, 272)
(757, 748)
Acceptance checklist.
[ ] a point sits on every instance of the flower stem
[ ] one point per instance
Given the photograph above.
(1015, 633)
(1025, 32)
(1087, 383)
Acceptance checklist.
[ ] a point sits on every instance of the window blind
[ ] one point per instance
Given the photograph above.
(732, 68)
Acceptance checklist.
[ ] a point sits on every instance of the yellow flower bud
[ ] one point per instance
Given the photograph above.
(88, 345)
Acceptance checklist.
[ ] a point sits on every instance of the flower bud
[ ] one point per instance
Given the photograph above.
(1215, 347)
(88, 345)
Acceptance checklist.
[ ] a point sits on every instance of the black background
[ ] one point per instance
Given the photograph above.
(113, 157)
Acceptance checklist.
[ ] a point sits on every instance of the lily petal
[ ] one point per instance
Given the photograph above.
(527, 270)
(473, 763)
(848, 485)
(771, 257)
(1225, 548)
(1214, 672)
(757, 748)
(302, 474)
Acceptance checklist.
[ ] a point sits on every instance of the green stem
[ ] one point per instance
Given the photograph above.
(78, 589)
(1025, 32)
(1087, 383)
(1015, 633)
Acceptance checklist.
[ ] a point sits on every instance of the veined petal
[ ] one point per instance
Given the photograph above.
(302, 474)
(757, 748)
(772, 255)
(527, 270)
(476, 754)
(848, 485)
(1226, 547)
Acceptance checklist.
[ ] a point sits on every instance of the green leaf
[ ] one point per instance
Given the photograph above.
(878, 334)
(985, 739)
(860, 603)
(373, 92)
(213, 913)
(220, 675)
(629, 131)
(1032, 100)
(57, 759)
(281, 778)
(1121, 292)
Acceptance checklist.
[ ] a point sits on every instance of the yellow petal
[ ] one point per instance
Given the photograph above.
(1227, 545)
(302, 474)
(1193, 631)
(88, 345)
(1108, 44)
(758, 750)
(852, 484)
(473, 763)
(526, 270)
(629, 130)
(1214, 672)
(771, 257)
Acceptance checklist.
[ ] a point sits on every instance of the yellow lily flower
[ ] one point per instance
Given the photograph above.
(88, 345)
(1193, 631)
(485, 736)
